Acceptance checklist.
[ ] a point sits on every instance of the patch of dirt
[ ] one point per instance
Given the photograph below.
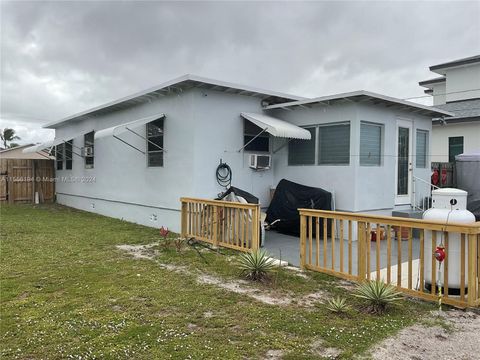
(310, 300)
(423, 342)
(208, 314)
(140, 251)
(266, 297)
(297, 271)
(325, 352)
(273, 355)
(192, 327)
(345, 284)
(240, 287)
(23, 296)
(236, 286)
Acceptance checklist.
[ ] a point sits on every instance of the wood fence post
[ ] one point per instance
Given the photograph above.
(361, 250)
(303, 240)
(184, 218)
(215, 226)
(472, 269)
(256, 228)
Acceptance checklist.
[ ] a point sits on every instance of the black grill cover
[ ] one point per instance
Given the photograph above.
(239, 192)
(288, 198)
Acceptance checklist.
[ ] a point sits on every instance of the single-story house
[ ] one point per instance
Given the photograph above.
(133, 158)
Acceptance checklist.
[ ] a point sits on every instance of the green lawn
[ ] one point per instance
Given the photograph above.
(67, 292)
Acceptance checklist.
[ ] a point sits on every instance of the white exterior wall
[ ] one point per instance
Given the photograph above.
(376, 186)
(462, 79)
(469, 131)
(439, 93)
(219, 135)
(356, 188)
(339, 179)
(121, 173)
(204, 126)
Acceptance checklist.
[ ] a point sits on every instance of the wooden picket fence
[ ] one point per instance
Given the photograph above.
(20, 179)
(222, 223)
(363, 247)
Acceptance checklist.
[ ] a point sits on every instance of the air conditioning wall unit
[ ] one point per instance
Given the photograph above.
(87, 151)
(260, 162)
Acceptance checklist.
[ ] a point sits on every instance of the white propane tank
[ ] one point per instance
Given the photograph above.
(448, 206)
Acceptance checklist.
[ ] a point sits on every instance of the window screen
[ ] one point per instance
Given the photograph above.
(370, 144)
(334, 144)
(155, 143)
(251, 131)
(422, 149)
(302, 152)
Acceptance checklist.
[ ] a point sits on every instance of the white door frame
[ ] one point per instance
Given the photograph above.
(404, 199)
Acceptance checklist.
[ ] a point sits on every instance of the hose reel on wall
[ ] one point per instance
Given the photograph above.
(224, 175)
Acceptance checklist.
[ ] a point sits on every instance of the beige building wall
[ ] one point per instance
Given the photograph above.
(440, 135)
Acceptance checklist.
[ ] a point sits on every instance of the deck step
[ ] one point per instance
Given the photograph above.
(411, 214)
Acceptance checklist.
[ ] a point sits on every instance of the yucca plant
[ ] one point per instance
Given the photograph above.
(255, 266)
(378, 294)
(337, 305)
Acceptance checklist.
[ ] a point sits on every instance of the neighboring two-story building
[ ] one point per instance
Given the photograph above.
(457, 90)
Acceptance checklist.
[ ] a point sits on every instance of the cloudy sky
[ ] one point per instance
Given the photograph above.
(59, 58)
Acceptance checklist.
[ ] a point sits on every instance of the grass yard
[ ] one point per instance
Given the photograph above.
(68, 292)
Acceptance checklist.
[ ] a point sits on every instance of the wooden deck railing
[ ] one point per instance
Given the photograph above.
(222, 223)
(399, 251)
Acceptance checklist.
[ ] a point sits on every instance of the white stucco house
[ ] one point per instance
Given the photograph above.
(457, 90)
(133, 158)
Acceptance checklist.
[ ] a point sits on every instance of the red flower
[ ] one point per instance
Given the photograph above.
(164, 232)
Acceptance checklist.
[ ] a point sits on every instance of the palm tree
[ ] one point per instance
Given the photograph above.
(8, 135)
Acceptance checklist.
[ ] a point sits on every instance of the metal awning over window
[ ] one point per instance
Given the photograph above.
(43, 146)
(277, 127)
(116, 130)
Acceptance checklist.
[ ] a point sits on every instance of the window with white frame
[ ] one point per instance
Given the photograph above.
(254, 139)
(155, 143)
(302, 152)
(334, 144)
(371, 144)
(422, 149)
(88, 150)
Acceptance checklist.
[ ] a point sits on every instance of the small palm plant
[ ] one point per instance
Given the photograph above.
(378, 294)
(338, 305)
(255, 266)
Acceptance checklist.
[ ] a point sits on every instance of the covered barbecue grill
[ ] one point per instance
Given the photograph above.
(282, 214)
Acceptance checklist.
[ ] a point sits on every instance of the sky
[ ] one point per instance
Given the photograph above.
(60, 58)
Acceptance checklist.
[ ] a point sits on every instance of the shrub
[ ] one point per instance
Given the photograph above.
(337, 305)
(378, 294)
(256, 265)
(179, 243)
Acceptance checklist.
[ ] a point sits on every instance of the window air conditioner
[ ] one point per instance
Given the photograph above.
(87, 151)
(260, 162)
